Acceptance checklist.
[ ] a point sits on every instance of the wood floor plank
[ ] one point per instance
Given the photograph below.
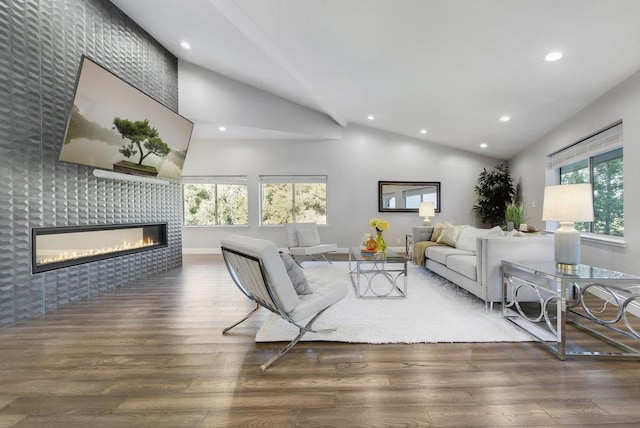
(493, 415)
(365, 417)
(141, 420)
(153, 354)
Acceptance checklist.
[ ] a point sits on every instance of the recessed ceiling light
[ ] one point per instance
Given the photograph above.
(483, 145)
(370, 117)
(185, 45)
(423, 131)
(222, 128)
(553, 56)
(505, 118)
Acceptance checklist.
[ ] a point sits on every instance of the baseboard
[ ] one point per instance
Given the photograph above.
(216, 250)
(201, 251)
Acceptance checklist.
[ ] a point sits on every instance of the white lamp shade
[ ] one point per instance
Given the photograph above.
(568, 202)
(426, 209)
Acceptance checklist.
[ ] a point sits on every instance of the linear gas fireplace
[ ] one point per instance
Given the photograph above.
(60, 247)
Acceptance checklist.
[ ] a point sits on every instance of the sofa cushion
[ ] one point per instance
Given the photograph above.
(449, 234)
(464, 265)
(469, 234)
(420, 251)
(440, 253)
(437, 230)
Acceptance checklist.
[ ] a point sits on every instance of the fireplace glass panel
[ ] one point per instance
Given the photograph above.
(58, 247)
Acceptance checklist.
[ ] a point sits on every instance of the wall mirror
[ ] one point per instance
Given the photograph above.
(405, 196)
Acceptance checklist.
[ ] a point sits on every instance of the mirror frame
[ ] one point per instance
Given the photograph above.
(381, 207)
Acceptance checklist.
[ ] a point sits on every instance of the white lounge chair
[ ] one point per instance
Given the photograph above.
(259, 272)
(304, 242)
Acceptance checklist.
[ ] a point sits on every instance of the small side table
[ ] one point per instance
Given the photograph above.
(605, 304)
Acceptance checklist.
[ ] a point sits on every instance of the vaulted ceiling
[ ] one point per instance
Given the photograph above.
(450, 67)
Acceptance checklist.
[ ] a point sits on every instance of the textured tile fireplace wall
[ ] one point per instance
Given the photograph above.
(41, 42)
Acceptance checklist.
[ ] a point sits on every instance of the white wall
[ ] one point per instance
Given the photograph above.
(354, 158)
(210, 99)
(623, 102)
(354, 165)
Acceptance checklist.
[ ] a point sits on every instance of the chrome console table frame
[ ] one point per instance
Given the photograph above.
(365, 269)
(562, 300)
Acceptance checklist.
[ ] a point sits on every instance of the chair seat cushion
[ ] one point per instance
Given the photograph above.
(325, 293)
(316, 249)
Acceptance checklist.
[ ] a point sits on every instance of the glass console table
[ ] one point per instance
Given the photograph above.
(376, 276)
(555, 307)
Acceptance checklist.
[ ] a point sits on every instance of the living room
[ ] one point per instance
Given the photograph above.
(39, 191)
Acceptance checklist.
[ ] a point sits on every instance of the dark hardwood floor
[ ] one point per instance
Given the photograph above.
(152, 355)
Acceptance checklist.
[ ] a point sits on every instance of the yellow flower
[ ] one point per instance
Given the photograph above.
(379, 223)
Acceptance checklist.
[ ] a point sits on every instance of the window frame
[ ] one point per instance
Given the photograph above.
(292, 180)
(215, 181)
(602, 146)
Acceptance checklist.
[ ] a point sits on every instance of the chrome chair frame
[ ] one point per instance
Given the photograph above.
(248, 273)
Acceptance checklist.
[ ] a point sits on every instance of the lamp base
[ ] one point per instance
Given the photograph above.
(566, 268)
(426, 221)
(567, 244)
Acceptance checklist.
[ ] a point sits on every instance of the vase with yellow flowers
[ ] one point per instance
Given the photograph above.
(380, 225)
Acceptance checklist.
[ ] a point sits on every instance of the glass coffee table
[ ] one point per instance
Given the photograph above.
(378, 275)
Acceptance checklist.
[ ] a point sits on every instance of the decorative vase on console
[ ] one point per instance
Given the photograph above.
(371, 244)
(380, 241)
(380, 225)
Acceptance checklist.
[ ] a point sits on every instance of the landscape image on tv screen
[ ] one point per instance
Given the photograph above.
(114, 126)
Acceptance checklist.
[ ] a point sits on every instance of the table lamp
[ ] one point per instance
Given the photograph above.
(426, 210)
(566, 204)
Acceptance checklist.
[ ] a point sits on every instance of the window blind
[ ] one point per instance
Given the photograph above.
(215, 179)
(602, 142)
(293, 179)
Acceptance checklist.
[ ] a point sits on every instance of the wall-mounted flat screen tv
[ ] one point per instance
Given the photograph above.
(114, 126)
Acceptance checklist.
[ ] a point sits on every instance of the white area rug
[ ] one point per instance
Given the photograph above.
(434, 311)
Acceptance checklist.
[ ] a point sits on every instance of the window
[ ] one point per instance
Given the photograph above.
(597, 160)
(389, 200)
(293, 199)
(214, 201)
(414, 197)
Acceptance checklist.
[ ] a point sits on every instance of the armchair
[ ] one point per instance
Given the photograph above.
(304, 241)
(256, 267)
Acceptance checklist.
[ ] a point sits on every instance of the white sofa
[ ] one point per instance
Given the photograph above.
(478, 268)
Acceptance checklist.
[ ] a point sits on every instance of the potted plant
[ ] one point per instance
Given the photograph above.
(514, 215)
(494, 191)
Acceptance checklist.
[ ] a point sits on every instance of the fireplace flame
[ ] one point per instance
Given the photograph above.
(73, 255)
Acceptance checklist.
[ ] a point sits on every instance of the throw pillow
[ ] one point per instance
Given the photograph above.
(494, 231)
(467, 238)
(307, 234)
(437, 230)
(449, 234)
(296, 275)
